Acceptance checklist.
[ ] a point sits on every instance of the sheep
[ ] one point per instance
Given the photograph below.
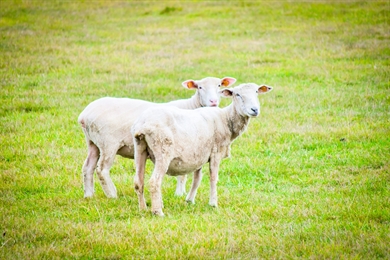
(179, 142)
(106, 123)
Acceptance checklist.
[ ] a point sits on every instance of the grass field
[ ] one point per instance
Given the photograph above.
(308, 179)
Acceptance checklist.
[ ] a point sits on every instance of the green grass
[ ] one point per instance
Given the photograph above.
(309, 179)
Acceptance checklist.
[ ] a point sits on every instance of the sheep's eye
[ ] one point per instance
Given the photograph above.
(219, 85)
(238, 95)
(199, 87)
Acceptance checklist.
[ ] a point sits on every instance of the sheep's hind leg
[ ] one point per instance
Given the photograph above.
(88, 169)
(103, 171)
(195, 185)
(214, 168)
(181, 185)
(140, 156)
(160, 168)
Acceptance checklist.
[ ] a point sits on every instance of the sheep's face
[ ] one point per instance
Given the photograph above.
(207, 89)
(245, 98)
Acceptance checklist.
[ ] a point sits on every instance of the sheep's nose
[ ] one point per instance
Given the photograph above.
(255, 110)
(214, 103)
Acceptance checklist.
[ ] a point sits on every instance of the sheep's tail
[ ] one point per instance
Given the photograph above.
(139, 136)
(138, 133)
(81, 121)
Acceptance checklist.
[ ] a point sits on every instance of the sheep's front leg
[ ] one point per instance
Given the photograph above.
(214, 168)
(181, 185)
(195, 184)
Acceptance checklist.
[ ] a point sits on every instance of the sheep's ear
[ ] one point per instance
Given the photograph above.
(190, 84)
(226, 92)
(264, 89)
(227, 81)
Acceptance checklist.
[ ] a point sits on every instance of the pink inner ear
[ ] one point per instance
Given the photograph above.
(263, 88)
(228, 81)
(190, 84)
(227, 93)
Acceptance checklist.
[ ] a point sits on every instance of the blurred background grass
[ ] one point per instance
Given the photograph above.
(309, 178)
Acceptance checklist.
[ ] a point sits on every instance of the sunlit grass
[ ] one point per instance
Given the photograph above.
(308, 179)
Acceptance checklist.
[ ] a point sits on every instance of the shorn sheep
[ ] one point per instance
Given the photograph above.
(182, 141)
(106, 123)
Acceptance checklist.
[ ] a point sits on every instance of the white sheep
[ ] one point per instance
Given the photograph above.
(106, 123)
(179, 141)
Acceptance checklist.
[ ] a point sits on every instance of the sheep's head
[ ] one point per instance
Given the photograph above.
(245, 98)
(207, 89)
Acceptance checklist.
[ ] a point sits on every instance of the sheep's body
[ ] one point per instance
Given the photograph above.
(180, 141)
(106, 123)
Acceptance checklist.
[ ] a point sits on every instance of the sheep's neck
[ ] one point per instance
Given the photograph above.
(237, 123)
(190, 103)
(193, 102)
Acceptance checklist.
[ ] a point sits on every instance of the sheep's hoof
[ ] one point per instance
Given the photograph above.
(88, 194)
(190, 202)
(143, 207)
(214, 205)
(158, 213)
(111, 195)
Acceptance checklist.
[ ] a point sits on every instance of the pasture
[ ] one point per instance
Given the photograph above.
(309, 178)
